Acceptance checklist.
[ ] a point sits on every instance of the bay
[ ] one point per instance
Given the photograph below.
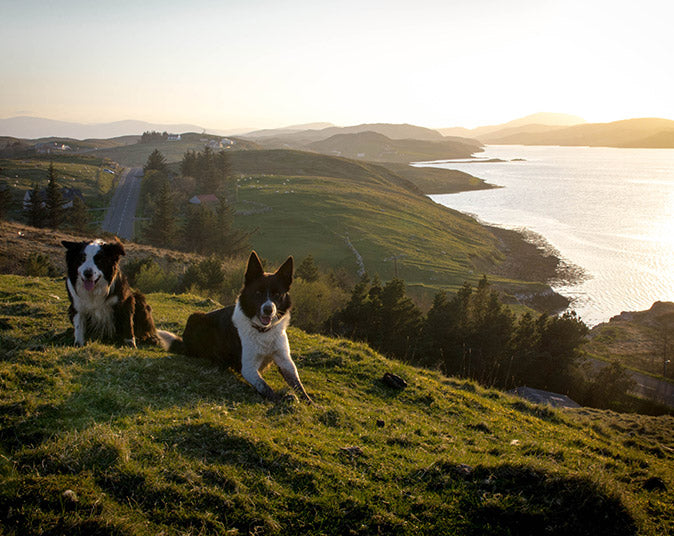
(609, 211)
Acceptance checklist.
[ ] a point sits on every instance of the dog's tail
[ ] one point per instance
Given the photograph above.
(171, 342)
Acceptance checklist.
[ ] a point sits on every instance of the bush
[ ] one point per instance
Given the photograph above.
(153, 278)
(314, 302)
(40, 266)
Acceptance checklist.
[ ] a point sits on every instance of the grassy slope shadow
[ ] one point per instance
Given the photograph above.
(519, 500)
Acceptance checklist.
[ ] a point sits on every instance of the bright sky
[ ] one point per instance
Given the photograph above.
(264, 63)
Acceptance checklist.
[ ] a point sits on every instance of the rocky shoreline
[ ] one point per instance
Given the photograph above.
(529, 257)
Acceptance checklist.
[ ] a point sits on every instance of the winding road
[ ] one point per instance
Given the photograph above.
(121, 214)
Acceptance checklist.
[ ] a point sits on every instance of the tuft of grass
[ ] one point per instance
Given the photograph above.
(111, 440)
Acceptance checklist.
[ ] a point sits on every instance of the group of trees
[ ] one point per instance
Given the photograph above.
(153, 137)
(47, 210)
(205, 229)
(471, 334)
(211, 170)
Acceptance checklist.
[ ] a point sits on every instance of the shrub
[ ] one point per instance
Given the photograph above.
(40, 265)
(314, 302)
(153, 278)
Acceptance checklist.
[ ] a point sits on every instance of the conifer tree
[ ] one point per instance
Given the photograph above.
(308, 270)
(53, 200)
(228, 239)
(161, 229)
(198, 229)
(155, 161)
(78, 214)
(35, 209)
(188, 166)
(5, 200)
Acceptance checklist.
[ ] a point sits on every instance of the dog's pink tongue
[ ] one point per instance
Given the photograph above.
(265, 320)
(89, 284)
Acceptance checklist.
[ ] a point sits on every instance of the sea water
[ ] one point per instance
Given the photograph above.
(609, 211)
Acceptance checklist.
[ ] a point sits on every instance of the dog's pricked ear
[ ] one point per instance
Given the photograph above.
(71, 245)
(254, 269)
(114, 249)
(285, 272)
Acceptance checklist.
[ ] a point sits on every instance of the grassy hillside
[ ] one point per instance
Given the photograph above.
(636, 339)
(647, 133)
(135, 154)
(376, 147)
(86, 173)
(423, 180)
(107, 440)
(362, 210)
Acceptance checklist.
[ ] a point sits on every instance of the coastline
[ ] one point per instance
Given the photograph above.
(529, 257)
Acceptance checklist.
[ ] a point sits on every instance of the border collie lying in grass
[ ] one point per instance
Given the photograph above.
(250, 334)
(102, 304)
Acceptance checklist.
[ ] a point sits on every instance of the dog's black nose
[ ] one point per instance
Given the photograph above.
(88, 273)
(267, 309)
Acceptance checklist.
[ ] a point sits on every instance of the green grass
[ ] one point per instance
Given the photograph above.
(75, 171)
(439, 248)
(107, 440)
(636, 344)
(135, 154)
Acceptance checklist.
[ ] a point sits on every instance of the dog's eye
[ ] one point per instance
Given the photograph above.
(83, 257)
(259, 293)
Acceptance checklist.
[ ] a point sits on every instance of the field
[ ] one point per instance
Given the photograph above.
(135, 154)
(107, 440)
(353, 215)
(86, 173)
(637, 340)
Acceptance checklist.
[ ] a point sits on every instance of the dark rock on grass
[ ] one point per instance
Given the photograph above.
(393, 381)
(655, 483)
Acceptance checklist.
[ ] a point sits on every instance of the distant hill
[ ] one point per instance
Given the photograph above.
(646, 133)
(635, 338)
(377, 147)
(267, 132)
(39, 127)
(299, 139)
(135, 154)
(540, 120)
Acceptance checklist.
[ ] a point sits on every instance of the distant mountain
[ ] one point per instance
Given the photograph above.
(540, 120)
(272, 132)
(376, 147)
(646, 133)
(298, 139)
(38, 127)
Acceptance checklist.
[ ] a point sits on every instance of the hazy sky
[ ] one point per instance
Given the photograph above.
(256, 63)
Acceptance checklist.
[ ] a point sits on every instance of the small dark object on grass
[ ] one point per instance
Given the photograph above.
(655, 483)
(353, 451)
(393, 381)
(380, 423)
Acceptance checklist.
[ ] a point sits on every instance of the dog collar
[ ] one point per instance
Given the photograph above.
(260, 329)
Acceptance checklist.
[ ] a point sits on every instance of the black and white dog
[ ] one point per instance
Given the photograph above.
(249, 335)
(102, 304)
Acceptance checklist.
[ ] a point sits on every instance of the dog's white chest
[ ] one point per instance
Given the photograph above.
(258, 344)
(95, 308)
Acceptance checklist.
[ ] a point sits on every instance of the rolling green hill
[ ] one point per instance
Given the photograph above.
(376, 147)
(135, 154)
(644, 133)
(115, 441)
(639, 340)
(352, 215)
